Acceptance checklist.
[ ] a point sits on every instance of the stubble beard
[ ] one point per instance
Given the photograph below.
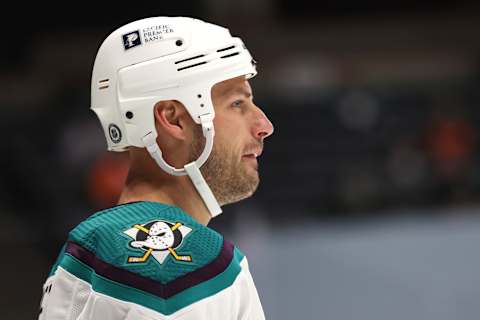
(225, 173)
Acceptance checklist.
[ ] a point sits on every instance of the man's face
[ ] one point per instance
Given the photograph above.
(240, 128)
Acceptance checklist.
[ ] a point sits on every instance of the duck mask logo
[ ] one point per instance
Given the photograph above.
(158, 239)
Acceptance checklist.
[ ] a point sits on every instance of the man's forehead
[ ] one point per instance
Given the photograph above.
(238, 85)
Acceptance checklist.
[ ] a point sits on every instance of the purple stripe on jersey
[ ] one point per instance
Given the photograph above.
(165, 291)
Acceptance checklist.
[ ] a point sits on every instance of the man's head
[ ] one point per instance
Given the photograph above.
(157, 77)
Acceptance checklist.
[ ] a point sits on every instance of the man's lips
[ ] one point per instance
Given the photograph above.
(250, 155)
(253, 153)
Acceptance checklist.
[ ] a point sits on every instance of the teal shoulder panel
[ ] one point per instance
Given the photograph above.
(154, 240)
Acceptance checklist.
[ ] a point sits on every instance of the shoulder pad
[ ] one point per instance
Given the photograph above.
(151, 254)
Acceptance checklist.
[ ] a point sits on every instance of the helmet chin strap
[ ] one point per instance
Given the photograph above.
(191, 169)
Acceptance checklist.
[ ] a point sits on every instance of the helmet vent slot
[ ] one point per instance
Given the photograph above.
(225, 49)
(230, 55)
(103, 84)
(188, 59)
(191, 66)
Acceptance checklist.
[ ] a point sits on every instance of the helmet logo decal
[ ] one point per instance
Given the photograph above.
(158, 239)
(131, 40)
(114, 133)
(149, 34)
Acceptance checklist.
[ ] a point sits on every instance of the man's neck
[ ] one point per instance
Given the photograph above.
(176, 191)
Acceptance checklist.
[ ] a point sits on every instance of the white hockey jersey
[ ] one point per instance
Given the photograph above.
(148, 261)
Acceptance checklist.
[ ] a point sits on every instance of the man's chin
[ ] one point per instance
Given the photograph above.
(243, 189)
(235, 199)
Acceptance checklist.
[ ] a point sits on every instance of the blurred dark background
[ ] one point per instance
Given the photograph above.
(375, 106)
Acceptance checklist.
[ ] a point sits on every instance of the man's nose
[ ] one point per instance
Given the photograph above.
(262, 126)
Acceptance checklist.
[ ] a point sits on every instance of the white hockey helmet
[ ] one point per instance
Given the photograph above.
(164, 58)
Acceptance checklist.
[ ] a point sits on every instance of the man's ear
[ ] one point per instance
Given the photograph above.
(170, 118)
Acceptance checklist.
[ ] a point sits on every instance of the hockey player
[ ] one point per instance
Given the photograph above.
(162, 88)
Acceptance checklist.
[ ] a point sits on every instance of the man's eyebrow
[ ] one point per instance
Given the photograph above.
(242, 91)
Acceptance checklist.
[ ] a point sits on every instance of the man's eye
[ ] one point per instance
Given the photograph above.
(237, 103)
